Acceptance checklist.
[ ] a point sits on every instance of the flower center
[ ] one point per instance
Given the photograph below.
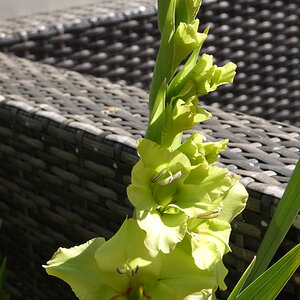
(128, 270)
(135, 291)
(169, 179)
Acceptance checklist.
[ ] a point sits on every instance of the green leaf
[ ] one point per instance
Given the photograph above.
(282, 220)
(238, 287)
(269, 284)
(3, 270)
(2, 274)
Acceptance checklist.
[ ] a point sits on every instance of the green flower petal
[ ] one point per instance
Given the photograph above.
(208, 81)
(194, 201)
(156, 175)
(203, 191)
(186, 39)
(162, 291)
(77, 266)
(220, 273)
(210, 177)
(191, 148)
(203, 295)
(234, 202)
(223, 75)
(180, 273)
(164, 231)
(179, 80)
(139, 192)
(198, 151)
(209, 242)
(131, 252)
(159, 158)
(203, 78)
(181, 116)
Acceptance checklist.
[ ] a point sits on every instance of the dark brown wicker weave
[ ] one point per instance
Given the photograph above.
(112, 39)
(67, 147)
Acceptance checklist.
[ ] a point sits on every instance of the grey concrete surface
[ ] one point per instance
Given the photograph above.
(14, 8)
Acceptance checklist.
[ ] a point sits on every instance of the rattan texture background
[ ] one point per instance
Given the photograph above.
(67, 147)
(116, 41)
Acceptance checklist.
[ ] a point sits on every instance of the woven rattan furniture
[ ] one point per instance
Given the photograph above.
(67, 147)
(119, 40)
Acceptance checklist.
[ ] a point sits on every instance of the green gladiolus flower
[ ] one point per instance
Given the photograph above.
(210, 238)
(167, 191)
(186, 38)
(202, 78)
(200, 152)
(173, 248)
(180, 116)
(123, 268)
(155, 176)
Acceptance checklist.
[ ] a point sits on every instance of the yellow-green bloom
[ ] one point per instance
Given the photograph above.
(181, 116)
(200, 78)
(199, 151)
(123, 268)
(168, 190)
(186, 38)
(210, 238)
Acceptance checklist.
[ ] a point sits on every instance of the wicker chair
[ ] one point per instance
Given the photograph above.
(67, 141)
(67, 147)
(119, 40)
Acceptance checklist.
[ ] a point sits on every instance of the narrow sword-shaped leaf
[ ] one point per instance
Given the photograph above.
(238, 287)
(3, 295)
(268, 285)
(282, 220)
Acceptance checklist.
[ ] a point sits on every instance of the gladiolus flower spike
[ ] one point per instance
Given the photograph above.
(172, 248)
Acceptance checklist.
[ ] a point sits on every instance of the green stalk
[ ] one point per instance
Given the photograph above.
(164, 62)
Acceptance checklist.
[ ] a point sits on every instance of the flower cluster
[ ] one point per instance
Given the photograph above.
(172, 248)
(181, 195)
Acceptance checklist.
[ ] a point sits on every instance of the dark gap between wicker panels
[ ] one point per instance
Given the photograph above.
(67, 147)
(119, 41)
